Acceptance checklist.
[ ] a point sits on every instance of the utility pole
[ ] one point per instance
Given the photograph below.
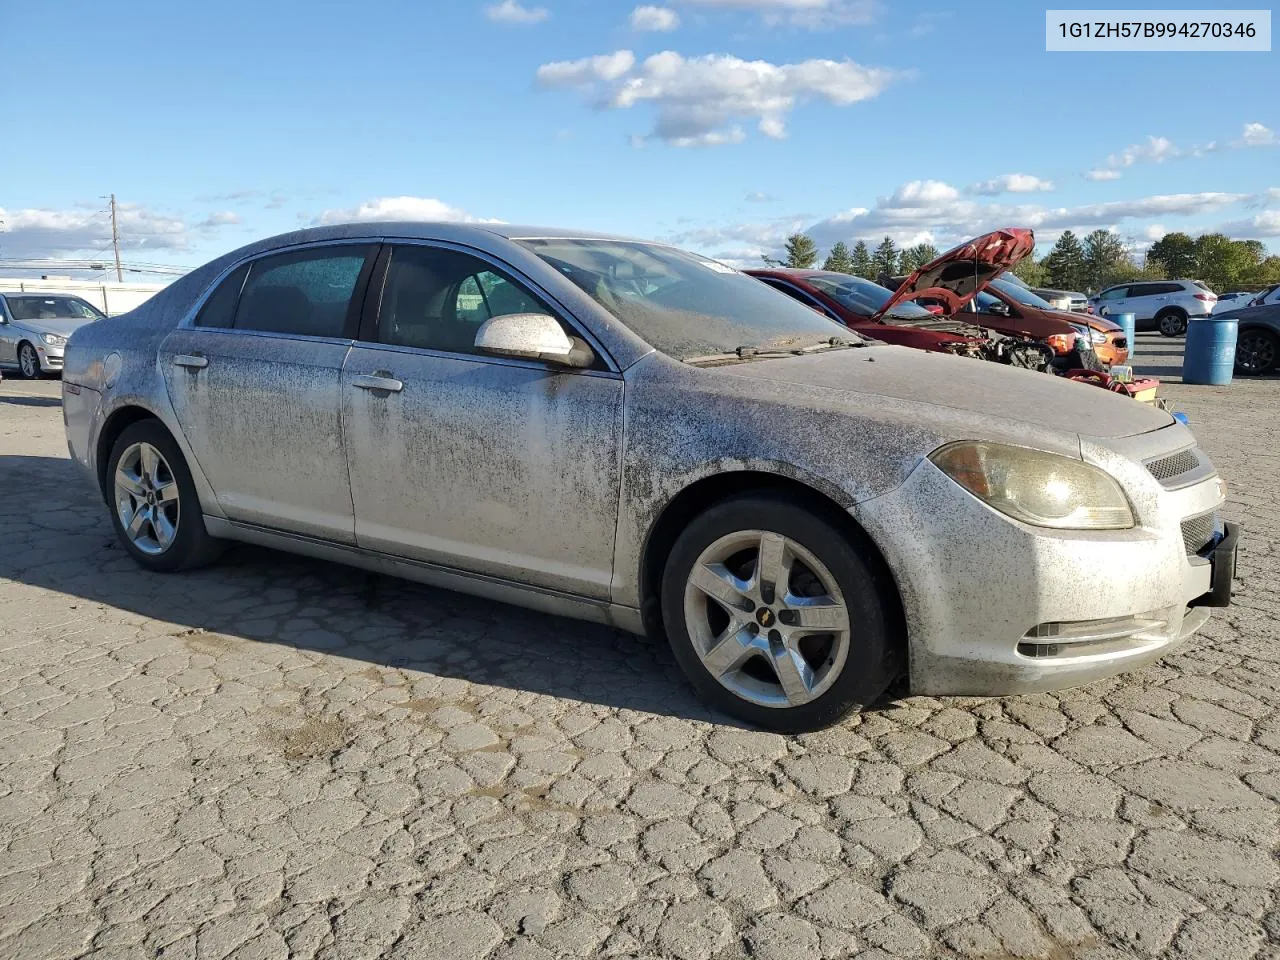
(115, 239)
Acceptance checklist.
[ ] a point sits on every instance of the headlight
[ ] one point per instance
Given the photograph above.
(1097, 336)
(1042, 489)
(53, 340)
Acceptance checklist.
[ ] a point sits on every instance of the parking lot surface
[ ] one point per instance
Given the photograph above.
(281, 757)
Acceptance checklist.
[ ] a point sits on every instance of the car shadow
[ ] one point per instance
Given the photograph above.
(269, 597)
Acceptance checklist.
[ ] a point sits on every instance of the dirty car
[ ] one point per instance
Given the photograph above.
(628, 433)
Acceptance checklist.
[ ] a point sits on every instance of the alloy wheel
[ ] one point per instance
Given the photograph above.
(28, 362)
(1256, 352)
(146, 493)
(767, 618)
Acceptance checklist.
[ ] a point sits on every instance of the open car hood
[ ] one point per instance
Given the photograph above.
(958, 275)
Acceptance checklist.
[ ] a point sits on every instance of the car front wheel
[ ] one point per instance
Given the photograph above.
(777, 617)
(28, 361)
(1257, 351)
(154, 507)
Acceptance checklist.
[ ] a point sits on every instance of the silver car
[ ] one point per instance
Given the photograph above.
(35, 327)
(628, 433)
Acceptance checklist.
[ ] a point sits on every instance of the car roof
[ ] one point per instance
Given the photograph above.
(429, 229)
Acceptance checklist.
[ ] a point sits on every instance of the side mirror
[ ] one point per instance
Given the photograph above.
(531, 336)
(1000, 308)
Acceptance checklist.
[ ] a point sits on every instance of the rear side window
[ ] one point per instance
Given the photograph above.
(220, 309)
(302, 293)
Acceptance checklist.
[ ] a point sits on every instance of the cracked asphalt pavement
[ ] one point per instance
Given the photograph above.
(277, 757)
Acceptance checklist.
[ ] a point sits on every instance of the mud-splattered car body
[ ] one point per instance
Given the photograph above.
(561, 489)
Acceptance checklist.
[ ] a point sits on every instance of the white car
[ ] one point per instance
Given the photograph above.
(1231, 301)
(1164, 305)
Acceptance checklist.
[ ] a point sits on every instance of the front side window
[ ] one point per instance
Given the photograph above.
(863, 296)
(1115, 293)
(53, 308)
(682, 304)
(301, 293)
(1021, 294)
(436, 299)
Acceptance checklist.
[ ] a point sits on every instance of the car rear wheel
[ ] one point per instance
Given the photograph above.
(1257, 351)
(1172, 323)
(776, 617)
(154, 507)
(28, 361)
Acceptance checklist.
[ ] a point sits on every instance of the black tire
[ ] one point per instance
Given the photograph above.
(1257, 352)
(1171, 322)
(191, 546)
(28, 360)
(874, 658)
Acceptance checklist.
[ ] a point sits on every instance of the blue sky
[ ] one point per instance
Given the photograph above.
(218, 123)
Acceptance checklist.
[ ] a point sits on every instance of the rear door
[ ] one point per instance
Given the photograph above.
(501, 467)
(255, 381)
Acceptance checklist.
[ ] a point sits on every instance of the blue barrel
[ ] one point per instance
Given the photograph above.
(1210, 352)
(1129, 323)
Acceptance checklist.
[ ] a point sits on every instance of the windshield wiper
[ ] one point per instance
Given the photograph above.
(745, 353)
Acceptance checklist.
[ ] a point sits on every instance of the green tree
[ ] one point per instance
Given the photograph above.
(1174, 254)
(1264, 274)
(1105, 260)
(1031, 271)
(885, 259)
(1221, 262)
(802, 252)
(1065, 263)
(861, 260)
(913, 258)
(839, 259)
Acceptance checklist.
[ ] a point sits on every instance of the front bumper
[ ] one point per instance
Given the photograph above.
(50, 357)
(995, 607)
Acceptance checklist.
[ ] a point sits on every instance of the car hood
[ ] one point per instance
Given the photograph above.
(1268, 313)
(956, 277)
(62, 326)
(977, 387)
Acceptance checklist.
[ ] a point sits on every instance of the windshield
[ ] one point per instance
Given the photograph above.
(1021, 294)
(682, 304)
(864, 296)
(52, 308)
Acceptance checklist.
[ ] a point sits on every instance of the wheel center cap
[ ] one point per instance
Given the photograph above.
(766, 617)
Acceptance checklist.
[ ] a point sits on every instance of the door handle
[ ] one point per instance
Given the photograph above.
(387, 383)
(192, 361)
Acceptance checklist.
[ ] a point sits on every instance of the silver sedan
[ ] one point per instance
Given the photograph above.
(632, 434)
(35, 327)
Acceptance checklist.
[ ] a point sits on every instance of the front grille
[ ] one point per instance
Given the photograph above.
(1198, 532)
(1174, 465)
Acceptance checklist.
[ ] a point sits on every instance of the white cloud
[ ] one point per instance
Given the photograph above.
(934, 211)
(510, 11)
(697, 99)
(1261, 227)
(757, 196)
(812, 14)
(1155, 150)
(1154, 232)
(1256, 135)
(401, 208)
(1101, 173)
(922, 193)
(43, 232)
(1012, 183)
(221, 218)
(654, 19)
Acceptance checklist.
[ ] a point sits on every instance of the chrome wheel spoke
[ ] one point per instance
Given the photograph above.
(816, 615)
(139, 520)
(129, 484)
(773, 566)
(718, 583)
(162, 527)
(732, 650)
(167, 492)
(794, 674)
(148, 459)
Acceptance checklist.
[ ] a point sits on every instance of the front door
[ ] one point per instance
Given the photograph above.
(255, 382)
(503, 467)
